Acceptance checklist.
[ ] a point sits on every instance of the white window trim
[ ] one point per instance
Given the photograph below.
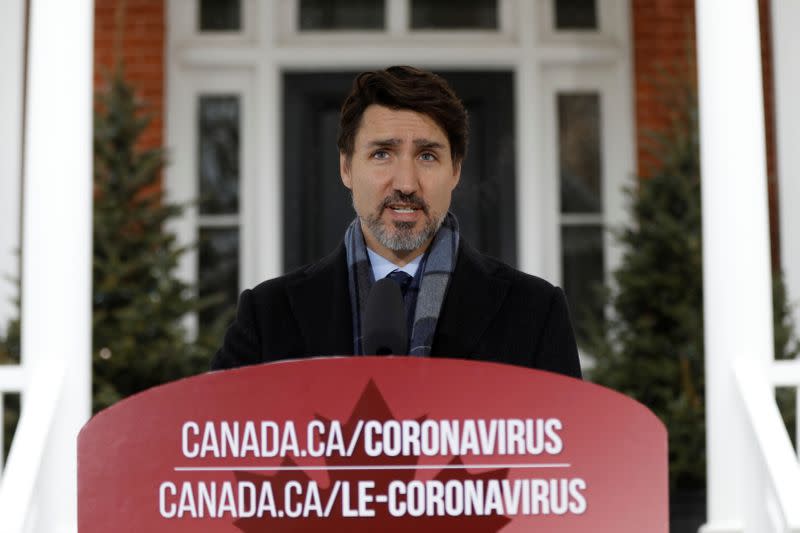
(184, 91)
(617, 158)
(602, 61)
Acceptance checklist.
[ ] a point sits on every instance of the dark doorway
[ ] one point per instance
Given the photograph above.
(317, 207)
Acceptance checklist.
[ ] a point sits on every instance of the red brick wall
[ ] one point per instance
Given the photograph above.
(140, 26)
(664, 39)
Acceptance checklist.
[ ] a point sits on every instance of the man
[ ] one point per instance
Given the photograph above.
(402, 140)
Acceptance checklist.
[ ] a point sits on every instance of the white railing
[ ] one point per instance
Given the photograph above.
(787, 374)
(771, 472)
(19, 497)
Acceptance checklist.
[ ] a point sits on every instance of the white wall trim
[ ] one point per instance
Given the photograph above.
(470, 55)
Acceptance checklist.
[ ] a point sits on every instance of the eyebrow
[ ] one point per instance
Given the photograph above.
(378, 143)
(429, 144)
(419, 143)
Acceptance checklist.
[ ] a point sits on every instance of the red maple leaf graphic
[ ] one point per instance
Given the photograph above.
(370, 406)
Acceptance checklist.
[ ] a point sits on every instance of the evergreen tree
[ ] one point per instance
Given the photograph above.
(9, 355)
(650, 346)
(139, 305)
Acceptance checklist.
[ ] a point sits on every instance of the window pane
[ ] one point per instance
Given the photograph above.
(575, 14)
(579, 152)
(443, 14)
(219, 271)
(219, 154)
(341, 14)
(582, 256)
(220, 15)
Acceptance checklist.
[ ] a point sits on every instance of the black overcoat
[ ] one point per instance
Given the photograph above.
(491, 312)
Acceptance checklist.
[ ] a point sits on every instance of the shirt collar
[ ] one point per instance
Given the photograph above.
(381, 267)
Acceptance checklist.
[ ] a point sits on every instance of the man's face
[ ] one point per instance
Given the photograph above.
(402, 176)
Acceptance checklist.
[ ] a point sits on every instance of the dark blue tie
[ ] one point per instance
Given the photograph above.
(403, 279)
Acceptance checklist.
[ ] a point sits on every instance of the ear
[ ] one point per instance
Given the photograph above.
(456, 173)
(344, 170)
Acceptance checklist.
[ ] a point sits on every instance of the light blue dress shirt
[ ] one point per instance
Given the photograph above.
(381, 267)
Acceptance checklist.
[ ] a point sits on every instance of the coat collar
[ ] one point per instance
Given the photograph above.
(320, 301)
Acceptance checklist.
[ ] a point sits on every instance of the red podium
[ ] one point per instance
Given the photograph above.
(374, 444)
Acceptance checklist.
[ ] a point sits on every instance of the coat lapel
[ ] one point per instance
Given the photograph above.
(320, 302)
(473, 299)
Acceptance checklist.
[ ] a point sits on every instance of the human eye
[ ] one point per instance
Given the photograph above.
(427, 156)
(380, 154)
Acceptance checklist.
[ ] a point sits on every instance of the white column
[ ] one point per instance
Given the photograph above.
(57, 235)
(267, 191)
(12, 40)
(736, 260)
(537, 217)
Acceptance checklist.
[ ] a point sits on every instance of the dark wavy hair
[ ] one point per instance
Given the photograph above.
(403, 87)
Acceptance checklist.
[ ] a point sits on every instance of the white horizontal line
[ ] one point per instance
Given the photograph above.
(363, 467)
(218, 221)
(12, 378)
(581, 219)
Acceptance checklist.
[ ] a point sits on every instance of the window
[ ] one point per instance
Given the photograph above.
(218, 118)
(580, 176)
(575, 14)
(220, 15)
(579, 152)
(218, 273)
(341, 15)
(440, 14)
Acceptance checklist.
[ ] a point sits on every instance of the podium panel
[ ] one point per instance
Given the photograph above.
(374, 444)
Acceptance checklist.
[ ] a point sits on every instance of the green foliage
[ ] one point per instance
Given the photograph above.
(9, 345)
(650, 346)
(9, 355)
(140, 305)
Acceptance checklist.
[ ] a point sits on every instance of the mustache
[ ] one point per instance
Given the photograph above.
(411, 200)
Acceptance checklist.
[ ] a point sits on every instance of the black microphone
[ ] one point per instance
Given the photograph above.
(384, 323)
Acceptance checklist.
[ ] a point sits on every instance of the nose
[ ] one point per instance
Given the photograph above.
(405, 177)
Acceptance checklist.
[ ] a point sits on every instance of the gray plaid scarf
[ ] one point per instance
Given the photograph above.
(427, 289)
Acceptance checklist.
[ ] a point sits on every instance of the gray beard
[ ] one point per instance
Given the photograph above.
(403, 238)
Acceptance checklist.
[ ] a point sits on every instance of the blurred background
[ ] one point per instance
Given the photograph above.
(215, 167)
